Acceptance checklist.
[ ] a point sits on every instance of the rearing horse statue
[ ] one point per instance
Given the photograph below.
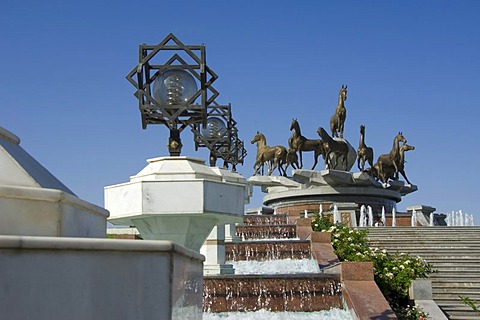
(266, 154)
(337, 121)
(338, 149)
(300, 143)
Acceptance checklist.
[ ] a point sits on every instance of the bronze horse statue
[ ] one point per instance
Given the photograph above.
(331, 146)
(392, 158)
(364, 153)
(301, 144)
(273, 156)
(389, 168)
(337, 121)
(292, 159)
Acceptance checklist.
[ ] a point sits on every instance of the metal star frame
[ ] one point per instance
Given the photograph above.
(199, 107)
(227, 147)
(176, 117)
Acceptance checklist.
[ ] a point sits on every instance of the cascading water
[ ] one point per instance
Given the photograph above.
(282, 266)
(273, 277)
(333, 314)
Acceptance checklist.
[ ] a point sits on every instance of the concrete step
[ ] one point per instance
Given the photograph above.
(468, 272)
(432, 251)
(414, 243)
(422, 230)
(458, 311)
(453, 251)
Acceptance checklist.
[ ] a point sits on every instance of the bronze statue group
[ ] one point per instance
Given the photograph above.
(333, 148)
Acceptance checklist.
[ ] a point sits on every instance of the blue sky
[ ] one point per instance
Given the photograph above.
(410, 66)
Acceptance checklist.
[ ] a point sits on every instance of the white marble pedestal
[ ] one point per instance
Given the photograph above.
(178, 199)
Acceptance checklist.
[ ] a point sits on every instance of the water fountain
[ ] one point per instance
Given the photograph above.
(384, 219)
(394, 218)
(363, 218)
(270, 245)
(370, 216)
(459, 219)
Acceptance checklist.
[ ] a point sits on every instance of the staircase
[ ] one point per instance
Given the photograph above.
(453, 251)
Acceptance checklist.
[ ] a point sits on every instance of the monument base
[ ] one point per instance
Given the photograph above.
(309, 190)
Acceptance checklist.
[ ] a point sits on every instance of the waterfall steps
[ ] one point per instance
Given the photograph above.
(264, 238)
(453, 251)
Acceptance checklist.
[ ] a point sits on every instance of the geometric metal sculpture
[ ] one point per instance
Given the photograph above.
(220, 136)
(175, 91)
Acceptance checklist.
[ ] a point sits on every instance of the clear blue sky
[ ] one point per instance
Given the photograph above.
(410, 66)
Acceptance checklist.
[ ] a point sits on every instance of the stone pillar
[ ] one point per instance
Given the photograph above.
(422, 213)
(214, 251)
(230, 233)
(347, 212)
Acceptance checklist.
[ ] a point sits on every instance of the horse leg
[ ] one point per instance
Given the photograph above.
(274, 166)
(301, 160)
(370, 161)
(315, 159)
(396, 170)
(405, 176)
(282, 170)
(256, 168)
(269, 167)
(381, 174)
(326, 160)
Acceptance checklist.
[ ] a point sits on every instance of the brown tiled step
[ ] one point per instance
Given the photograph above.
(268, 250)
(299, 292)
(266, 231)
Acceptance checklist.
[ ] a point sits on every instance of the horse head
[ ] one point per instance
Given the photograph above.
(343, 92)
(258, 137)
(294, 124)
(322, 133)
(400, 138)
(406, 147)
